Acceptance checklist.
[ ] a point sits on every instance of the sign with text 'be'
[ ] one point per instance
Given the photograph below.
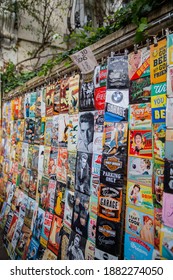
(85, 60)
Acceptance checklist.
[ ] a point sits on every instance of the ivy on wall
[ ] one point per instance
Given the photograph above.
(135, 12)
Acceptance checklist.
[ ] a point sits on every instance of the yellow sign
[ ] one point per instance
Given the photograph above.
(158, 62)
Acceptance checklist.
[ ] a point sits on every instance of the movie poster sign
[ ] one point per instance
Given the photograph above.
(140, 170)
(140, 224)
(140, 143)
(139, 64)
(140, 196)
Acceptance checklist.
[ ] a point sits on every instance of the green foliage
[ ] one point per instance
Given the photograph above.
(136, 12)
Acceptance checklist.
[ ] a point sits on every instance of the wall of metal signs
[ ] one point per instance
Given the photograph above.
(70, 150)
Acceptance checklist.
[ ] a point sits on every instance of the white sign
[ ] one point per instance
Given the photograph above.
(85, 60)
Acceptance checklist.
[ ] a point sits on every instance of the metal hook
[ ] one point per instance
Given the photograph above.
(135, 48)
(155, 41)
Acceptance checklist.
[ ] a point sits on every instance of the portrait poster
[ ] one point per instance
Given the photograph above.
(63, 130)
(43, 195)
(27, 105)
(38, 103)
(32, 249)
(50, 89)
(68, 210)
(117, 76)
(55, 235)
(49, 255)
(30, 153)
(159, 135)
(169, 144)
(33, 184)
(73, 133)
(36, 233)
(54, 136)
(86, 95)
(170, 81)
(140, 196)
(56, 101)
(48, 131)
(169, 112)
(30, 214)
(137, 249)
(140, 143)
(116, 106)
(71, 170)
(140, 116)
(74, 94)
(40, 159)
(168, 176)
(76, 252)
(92, 227)
(17, 232)
(42, 130)
(62, 253)
(51, 195)
(86, 132)
(21, 107)
(46, 229)
(35, 157)
(157, 227)
(37, 129)
(112, 170)
(170, 49)
(109, 203)
(52, 167)
(115, 138)
(16, 108)
(20, 129)
(108, 236)
(59, 201)
(83, 172)
(101, 255)
(140, 91)
(25, 179)
(140, 170)
(12, 227)
(62, 165)
(158, 62)
(18, 156)
(139, 64)
(64, 95)
(33, 98)
(24, 240)
(80, 216)
(166, 242)
(167, 209)
(158, 184)
(89, 250)
(29, 131)
(140, 224)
